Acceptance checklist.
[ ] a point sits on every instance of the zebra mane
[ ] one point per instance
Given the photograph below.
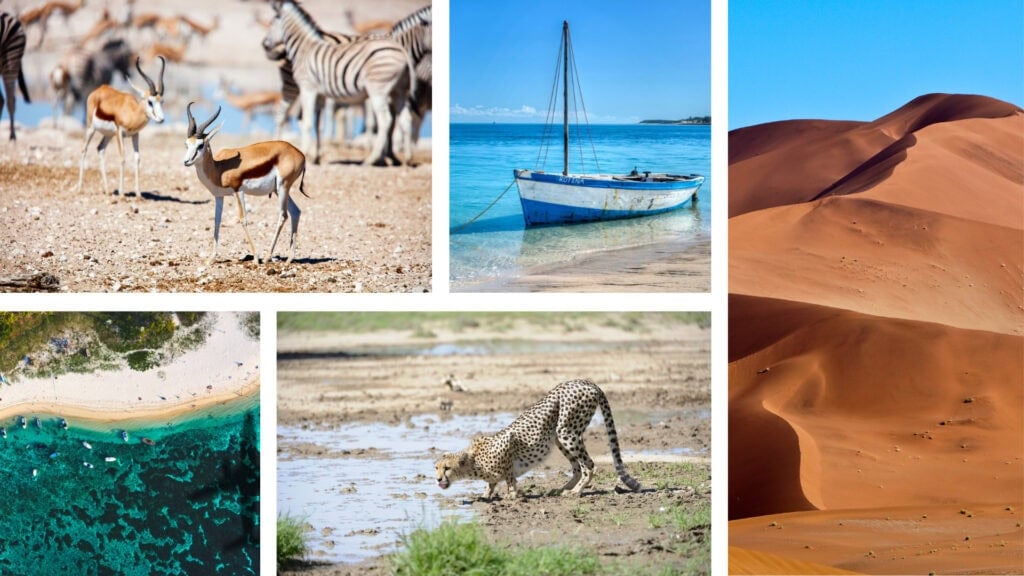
(421, 17)
(304, 18)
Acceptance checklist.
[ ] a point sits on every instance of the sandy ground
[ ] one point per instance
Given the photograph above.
(362, 229)
(224, 369)
(876, 371)
(662, 371)
(677, 266)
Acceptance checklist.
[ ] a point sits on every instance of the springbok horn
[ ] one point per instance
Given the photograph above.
(163, 64)
(202, 127)
(152, 87)
(191, 120)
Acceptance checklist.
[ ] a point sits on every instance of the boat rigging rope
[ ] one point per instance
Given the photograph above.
(482, 212)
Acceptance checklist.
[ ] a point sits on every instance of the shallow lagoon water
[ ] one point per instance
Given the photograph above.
(188, 504)
(359, 505)
(497, 245)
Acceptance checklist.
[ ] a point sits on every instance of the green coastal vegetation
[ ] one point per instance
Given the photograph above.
(701, 120)
(48, 344)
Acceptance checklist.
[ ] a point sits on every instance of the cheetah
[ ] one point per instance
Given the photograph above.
(560, 418)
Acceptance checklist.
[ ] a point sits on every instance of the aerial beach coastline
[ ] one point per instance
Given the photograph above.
(224, 369)
(130, 442)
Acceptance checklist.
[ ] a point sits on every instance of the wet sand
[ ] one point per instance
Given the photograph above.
(672, 266)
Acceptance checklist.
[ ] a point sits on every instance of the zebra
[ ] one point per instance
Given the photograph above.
(12, 47)
(376, 69)
(290, 89)
(415, 32)
(83, 69)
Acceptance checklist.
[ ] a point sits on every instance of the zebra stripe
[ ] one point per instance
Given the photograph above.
(12, 48)
(366, 68)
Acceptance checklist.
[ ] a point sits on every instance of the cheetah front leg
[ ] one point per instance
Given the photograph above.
(489, 495)
(513, 491)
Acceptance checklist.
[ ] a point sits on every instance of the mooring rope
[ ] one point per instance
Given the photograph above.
(482, 212)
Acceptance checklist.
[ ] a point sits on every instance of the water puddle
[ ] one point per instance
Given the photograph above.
(385, 472)
(475, 348)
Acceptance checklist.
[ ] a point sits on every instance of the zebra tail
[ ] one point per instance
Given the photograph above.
(23, 86)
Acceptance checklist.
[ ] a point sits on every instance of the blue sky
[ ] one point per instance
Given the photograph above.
(859, 60)
(636, 60)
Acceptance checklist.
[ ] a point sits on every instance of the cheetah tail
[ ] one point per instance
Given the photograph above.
(613, 443)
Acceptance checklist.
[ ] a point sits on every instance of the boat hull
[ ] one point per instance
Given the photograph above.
(557, 199)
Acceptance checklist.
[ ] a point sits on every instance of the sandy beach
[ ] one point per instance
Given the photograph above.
(224, 369)
(671, 266)
(876, 350)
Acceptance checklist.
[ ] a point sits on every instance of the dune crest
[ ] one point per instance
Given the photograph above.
(819, 154)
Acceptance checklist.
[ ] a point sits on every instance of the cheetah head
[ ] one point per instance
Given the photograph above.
(451, 467)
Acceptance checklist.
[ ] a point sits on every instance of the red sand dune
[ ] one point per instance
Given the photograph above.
(797, 160)
(877, 332)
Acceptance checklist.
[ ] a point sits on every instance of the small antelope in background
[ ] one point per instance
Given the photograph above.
(262, 169)
(112, 112)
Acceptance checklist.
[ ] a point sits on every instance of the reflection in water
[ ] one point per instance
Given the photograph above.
(386, 473)
(550, 244)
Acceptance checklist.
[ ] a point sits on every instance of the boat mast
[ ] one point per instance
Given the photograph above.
(565, 99)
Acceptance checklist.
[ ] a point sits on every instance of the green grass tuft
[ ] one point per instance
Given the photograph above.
(291, 538)
(462, 549)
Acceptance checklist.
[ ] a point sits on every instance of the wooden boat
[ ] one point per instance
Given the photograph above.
(148, 441)
(568, 198)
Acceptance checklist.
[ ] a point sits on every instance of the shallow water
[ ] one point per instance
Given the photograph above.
(189, 504)
(497, 246)
(360, 505)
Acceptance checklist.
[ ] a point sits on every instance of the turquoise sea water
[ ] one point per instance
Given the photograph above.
(189, 504)
(497, 246)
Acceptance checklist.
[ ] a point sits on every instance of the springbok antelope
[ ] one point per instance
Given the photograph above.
(112, 112)
(171, 52)
(250, 103)
(261, 169)
(41, 15)
(197, 28)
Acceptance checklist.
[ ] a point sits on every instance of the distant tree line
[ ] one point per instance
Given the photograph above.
(690, 120)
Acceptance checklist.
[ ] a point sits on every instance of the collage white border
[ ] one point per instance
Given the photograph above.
(441, 300)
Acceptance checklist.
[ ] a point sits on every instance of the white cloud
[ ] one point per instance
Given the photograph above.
(527, 112)
(523, 112)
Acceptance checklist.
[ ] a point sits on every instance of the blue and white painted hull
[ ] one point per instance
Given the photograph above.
(558, 199)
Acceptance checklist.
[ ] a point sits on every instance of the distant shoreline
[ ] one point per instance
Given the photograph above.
(684, 122)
